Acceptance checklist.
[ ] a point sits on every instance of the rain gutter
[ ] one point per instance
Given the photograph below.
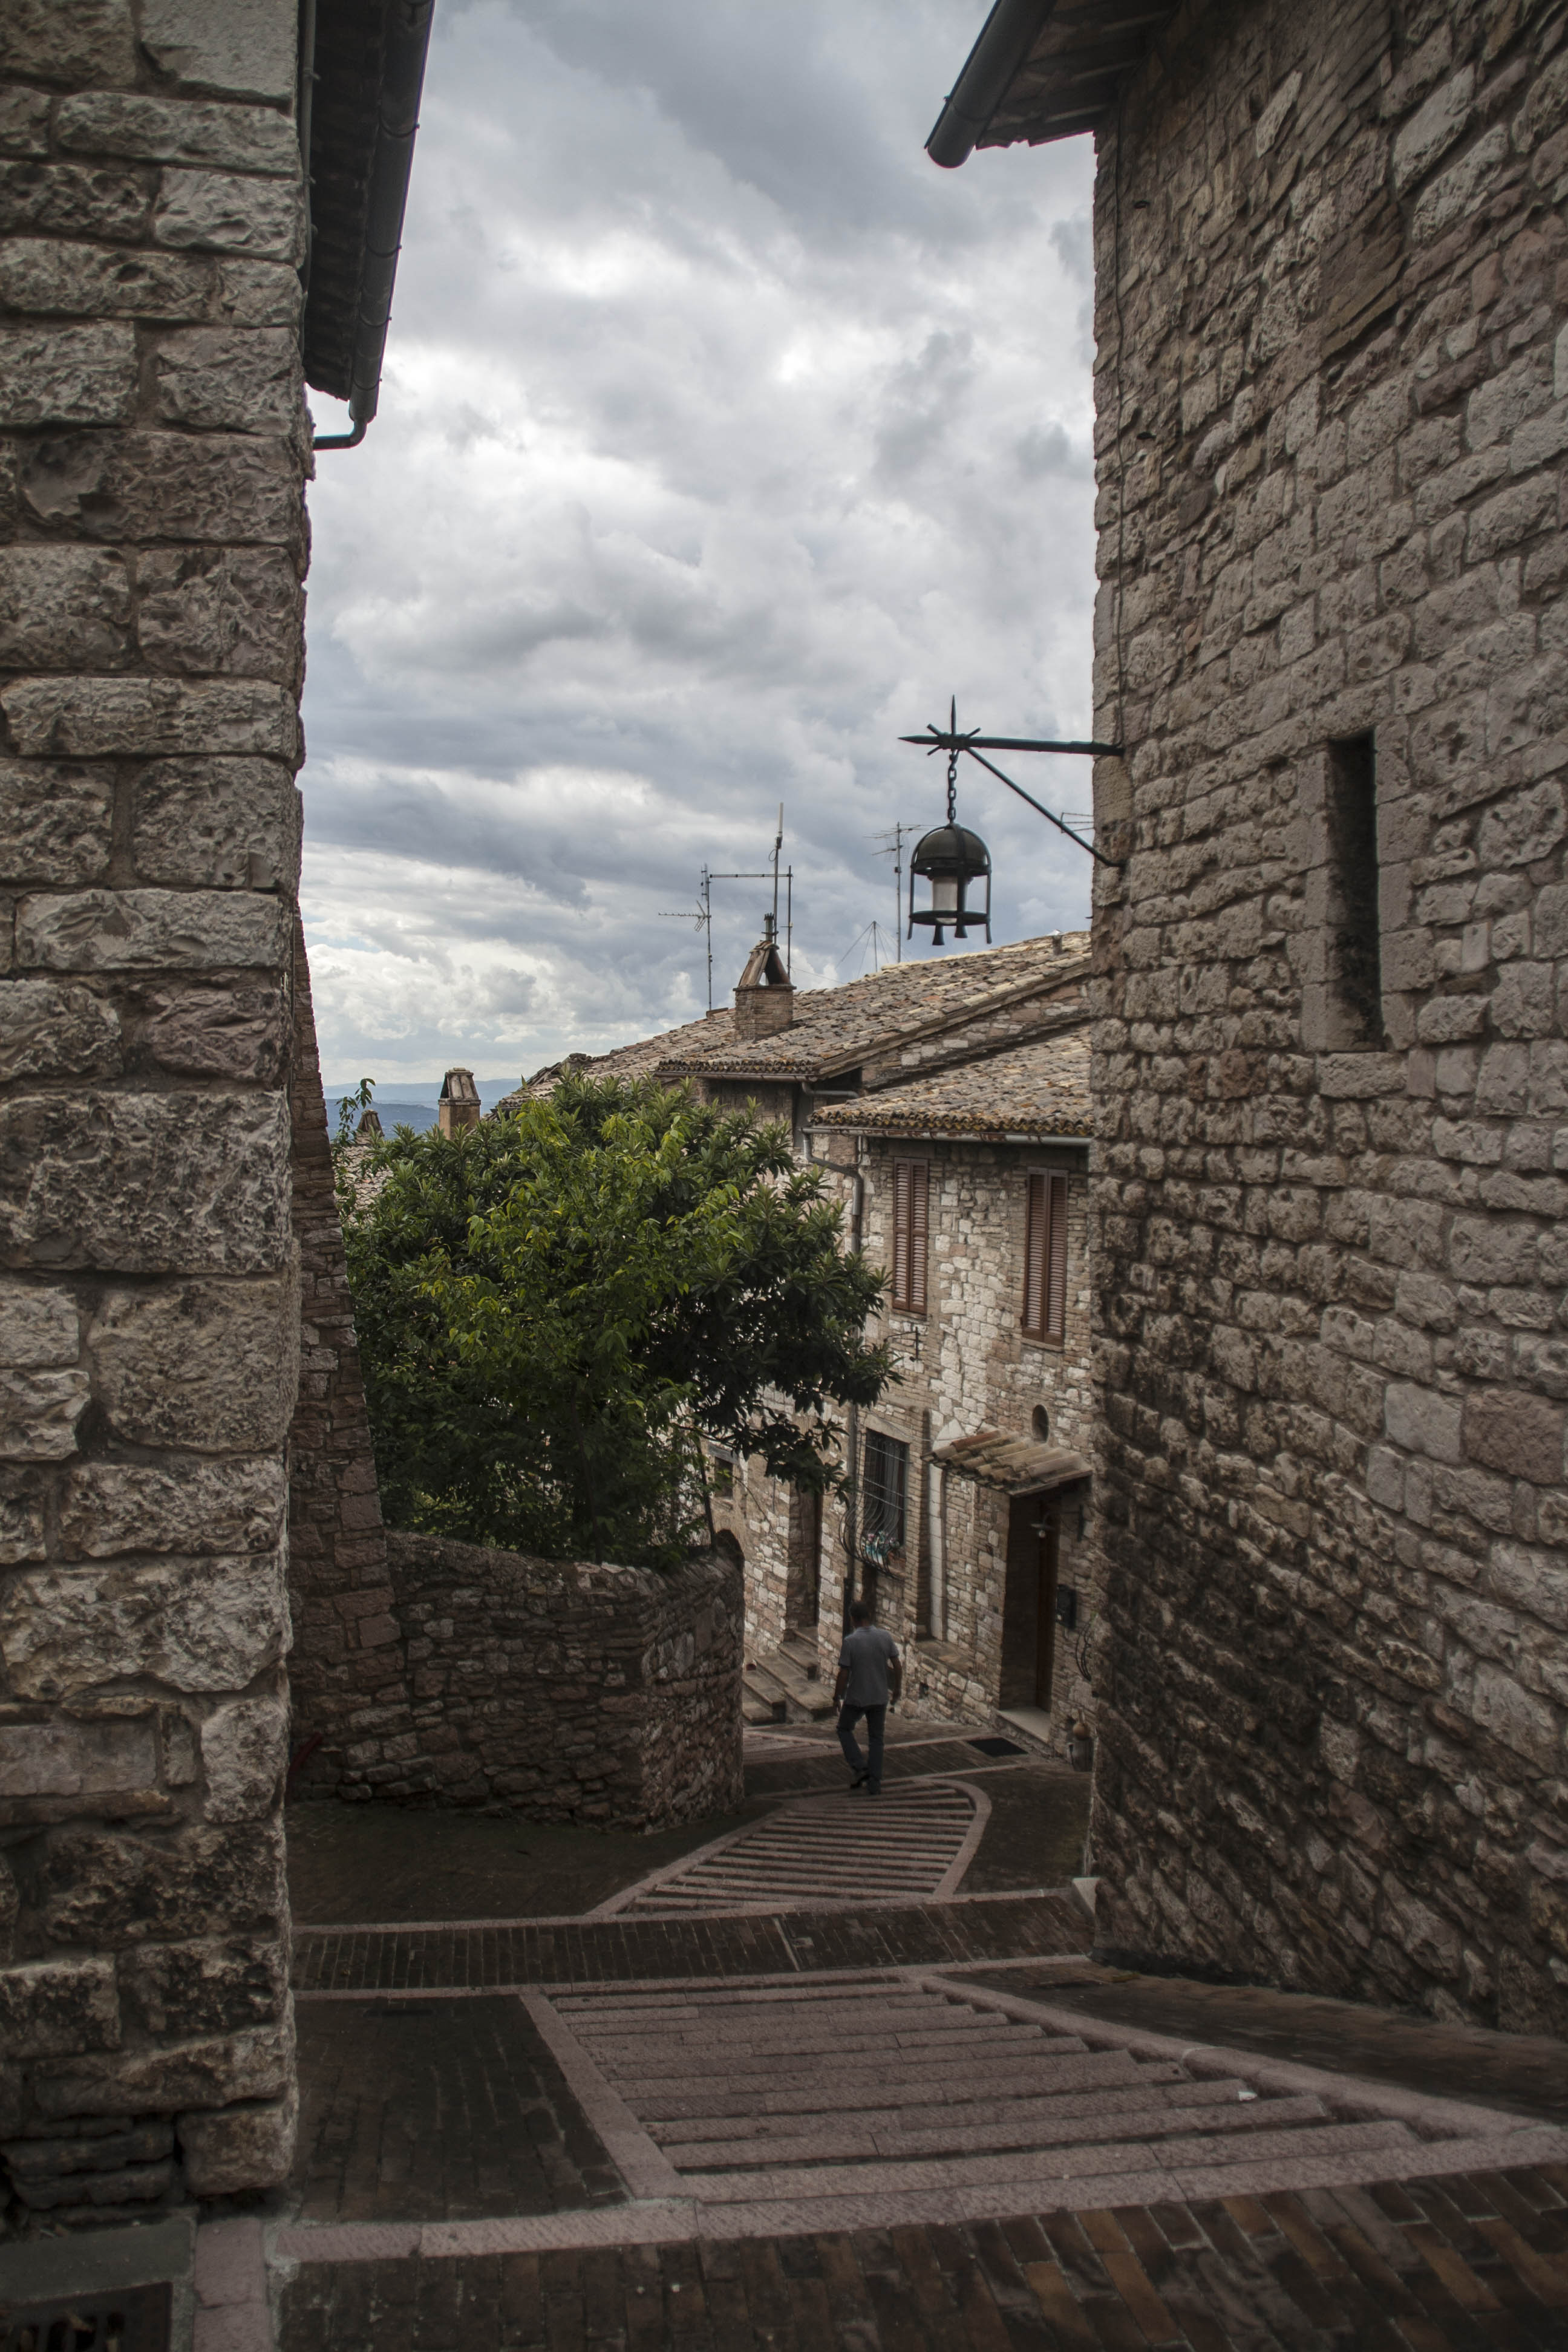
(397, 122)
(1005, 39)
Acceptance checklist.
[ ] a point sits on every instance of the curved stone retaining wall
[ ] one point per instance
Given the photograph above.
(605, 1695)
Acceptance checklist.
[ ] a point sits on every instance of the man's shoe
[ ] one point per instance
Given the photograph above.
(873, 1792)
(859, 1781)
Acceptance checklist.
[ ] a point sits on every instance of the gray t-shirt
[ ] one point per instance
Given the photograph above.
(867, 1653)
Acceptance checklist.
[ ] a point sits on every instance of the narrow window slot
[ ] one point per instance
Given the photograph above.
(1352, 960)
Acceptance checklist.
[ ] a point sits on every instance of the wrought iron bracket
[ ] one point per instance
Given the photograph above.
(954, 742)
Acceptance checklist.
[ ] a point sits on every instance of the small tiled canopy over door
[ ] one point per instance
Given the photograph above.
(1046, 1258)
(910, 1188)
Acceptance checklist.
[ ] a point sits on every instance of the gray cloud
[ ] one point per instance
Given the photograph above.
(721, 438)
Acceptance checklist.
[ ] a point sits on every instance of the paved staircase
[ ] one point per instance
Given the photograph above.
(801, 2095)
(908, 1845)
(783, 1685)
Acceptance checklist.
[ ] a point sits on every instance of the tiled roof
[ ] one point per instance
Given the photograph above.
(836, 1029)
(1018, 1465)
(1031, 1090)
(637, 1060)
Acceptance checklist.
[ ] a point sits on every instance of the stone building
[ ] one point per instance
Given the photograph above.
(164, 288)
(968, 1525)
(948, 1100)
(1331, 1080)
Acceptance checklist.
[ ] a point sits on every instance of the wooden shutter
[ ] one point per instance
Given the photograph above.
(1056, 1321)
(909, 1227)
(1037, 1216)
(1046, 1258)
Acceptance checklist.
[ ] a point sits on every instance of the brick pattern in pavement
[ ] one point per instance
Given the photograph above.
(1525, 2073)
(1458, 2263)
(440, 2110)
(610, 1950)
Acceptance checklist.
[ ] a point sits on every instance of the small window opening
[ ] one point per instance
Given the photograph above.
(1353, 963)
(722, 1470)
(1042, 1421)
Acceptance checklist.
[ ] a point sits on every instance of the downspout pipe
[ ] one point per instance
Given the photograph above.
(1007, 36)
(397, 122)
(852, 1498)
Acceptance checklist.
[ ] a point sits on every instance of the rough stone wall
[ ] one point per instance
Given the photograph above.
(340, 1596)
(1333, 398)
(605, 1696)
(151, 547)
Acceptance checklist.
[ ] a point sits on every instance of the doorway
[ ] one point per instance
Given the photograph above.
(802, 1587)
(1029, 1605)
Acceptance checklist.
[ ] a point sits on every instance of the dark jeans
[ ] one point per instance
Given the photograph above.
(876, 1717)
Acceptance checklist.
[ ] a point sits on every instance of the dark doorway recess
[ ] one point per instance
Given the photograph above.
(1029, 1606)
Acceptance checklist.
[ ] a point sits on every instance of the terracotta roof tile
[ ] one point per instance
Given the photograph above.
(1036, 1089)
(835, 1027)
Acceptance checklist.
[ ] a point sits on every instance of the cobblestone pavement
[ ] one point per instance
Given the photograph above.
(1458, 2261)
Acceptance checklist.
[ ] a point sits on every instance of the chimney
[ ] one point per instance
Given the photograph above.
(459, 1103)
(764, 999)
(370, 1129)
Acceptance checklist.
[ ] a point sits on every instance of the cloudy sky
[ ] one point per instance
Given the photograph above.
(722, 438)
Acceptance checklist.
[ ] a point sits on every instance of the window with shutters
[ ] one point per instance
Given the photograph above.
(1046, 1258)
(909, 1195)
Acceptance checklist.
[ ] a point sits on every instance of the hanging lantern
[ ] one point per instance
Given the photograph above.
(951, 863)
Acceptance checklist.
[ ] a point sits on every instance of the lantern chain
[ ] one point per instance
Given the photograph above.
(953, 788)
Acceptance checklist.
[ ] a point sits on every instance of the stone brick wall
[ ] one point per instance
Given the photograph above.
(339, 1593)
(1332, 400)
(151, 547)
(605, 1696)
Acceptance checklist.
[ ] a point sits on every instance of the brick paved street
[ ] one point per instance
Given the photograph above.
(1455, 2263)
(414, 2110)
(607, 1951)
(887, 2127)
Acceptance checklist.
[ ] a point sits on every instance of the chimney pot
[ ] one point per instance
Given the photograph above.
(764, 996)
(459, 1102)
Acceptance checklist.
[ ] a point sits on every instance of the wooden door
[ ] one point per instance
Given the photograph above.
(1049, 1542)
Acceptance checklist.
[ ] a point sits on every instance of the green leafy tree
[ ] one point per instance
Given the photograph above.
(555, 1307)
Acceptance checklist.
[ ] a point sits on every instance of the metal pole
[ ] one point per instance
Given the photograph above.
(708, 926)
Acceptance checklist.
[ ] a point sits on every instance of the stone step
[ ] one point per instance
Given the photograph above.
(852, 1849)
(633, 2027)
(1092, 2158)
(782, 1674)
(758, 1707)
(629, 2025)
(703, 2054)
(831, 2088)
(839, 2139)
(1157, 2084)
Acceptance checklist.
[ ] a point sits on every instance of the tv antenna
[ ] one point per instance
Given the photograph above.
(701, 914)
(893, 846)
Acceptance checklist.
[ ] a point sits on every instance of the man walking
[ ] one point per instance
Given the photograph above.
(870, 1676)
